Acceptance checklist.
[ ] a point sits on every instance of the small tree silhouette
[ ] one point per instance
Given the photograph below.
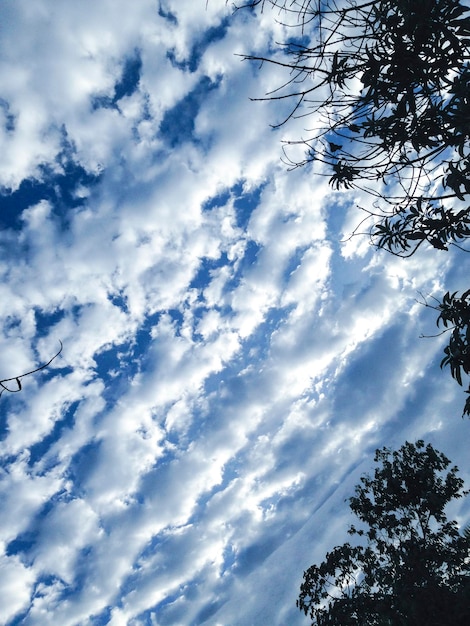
(414, 568)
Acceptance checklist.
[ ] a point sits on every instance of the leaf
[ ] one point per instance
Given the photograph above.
(334, 147)
(416, 236)
(436, 243)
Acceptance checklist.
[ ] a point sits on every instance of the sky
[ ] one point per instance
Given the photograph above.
(231, 356)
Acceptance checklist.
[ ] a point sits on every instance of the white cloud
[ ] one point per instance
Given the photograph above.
(16, 582)
(228, 368)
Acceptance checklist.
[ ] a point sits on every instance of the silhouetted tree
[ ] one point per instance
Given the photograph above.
(410, 566)
(385, 86)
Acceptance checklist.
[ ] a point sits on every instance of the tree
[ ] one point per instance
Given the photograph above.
(385, 86)
(410, 566)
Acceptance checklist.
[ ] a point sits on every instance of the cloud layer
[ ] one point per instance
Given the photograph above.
(229, 363)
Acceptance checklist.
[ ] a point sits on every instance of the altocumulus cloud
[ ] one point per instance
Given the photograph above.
(230, 361)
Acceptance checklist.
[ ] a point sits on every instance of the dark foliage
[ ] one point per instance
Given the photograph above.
(454, 316)
(410, 565)
(385, 87)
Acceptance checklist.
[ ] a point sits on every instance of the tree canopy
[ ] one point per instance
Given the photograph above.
(384, 86)
(408, 565)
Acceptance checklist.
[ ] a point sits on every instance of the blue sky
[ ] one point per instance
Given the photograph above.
(230, 359)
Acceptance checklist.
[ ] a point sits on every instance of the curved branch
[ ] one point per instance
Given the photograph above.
(17, 379)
